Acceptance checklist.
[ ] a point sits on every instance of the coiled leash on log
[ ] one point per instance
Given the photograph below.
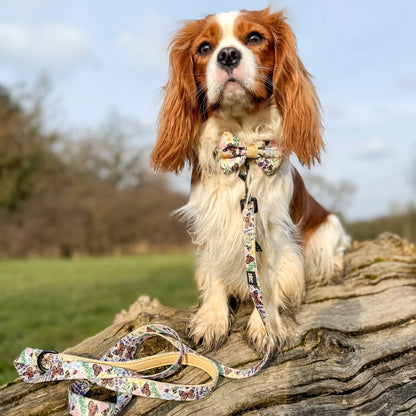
(118, 370)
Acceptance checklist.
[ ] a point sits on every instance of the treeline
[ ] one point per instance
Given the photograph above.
(402, 224)
(88, 195)
(93, 194)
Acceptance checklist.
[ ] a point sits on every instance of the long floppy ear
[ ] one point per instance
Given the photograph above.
(295, 96)
(180, 114)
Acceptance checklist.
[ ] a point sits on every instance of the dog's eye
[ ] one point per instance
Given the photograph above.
(254, 38)
(204, 49)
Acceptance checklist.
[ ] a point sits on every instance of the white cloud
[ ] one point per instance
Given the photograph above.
(53, 47)
(24, 7)
(375, 148)
(14, 41)
(354, 115)
(145, 46)
(371, 113)
(408, 83)
(402, 107)
(63, 46)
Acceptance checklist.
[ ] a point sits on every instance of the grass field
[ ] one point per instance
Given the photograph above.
(56, 303)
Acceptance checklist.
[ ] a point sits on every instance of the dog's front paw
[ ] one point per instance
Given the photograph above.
(258, 337)
(209, 328)
(279, 336)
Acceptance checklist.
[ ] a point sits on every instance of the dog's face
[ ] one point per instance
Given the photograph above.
(233, 58)
(246, 60)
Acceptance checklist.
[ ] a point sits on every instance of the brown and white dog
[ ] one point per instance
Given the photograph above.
(240, 72)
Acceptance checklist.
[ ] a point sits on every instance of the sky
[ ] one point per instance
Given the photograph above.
(111, 56)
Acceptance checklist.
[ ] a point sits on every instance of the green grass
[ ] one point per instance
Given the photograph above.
(56, 303)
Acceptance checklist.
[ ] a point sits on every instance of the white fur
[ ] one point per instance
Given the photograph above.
(215, 221)
(245, 72)
(325, 250)
(214, 217)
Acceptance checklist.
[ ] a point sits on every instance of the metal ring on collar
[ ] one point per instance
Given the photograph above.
(41, 367)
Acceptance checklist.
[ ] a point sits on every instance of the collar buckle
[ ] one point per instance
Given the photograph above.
(244, 202)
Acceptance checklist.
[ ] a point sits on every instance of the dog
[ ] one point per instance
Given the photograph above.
(239, 74)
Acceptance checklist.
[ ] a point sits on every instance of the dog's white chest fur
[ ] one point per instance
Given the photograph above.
(240, 72)
(213, 212)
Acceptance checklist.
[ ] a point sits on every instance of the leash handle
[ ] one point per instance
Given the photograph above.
(115, 371)
(119, 371)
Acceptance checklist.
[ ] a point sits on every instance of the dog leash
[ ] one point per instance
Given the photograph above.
(117, 370)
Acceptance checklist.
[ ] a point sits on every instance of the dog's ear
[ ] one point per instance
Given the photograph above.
(295, 96)
(180, 114)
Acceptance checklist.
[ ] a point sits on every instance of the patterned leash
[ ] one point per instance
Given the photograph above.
(119, 371)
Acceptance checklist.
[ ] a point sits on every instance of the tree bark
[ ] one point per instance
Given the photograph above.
(354, 354)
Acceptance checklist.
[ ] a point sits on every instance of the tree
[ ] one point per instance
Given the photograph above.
(89, 194)
(110, 153)
(24, 149)
(333, 196)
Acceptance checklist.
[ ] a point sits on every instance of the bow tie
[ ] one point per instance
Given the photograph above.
(233, 154)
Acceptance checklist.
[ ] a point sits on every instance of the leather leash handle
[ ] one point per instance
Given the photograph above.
(119, 371)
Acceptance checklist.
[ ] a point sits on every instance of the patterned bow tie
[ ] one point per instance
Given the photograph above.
(232, 154)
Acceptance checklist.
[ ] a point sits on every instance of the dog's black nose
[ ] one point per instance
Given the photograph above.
(229, 58)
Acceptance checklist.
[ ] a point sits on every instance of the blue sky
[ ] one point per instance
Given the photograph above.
(105, 56)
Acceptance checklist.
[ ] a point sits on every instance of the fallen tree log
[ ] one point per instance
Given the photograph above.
(355, 352)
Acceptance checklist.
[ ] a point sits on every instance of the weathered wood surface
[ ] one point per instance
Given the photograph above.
(355, 352)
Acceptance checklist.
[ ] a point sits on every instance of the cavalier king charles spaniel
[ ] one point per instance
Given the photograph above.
(238, 74)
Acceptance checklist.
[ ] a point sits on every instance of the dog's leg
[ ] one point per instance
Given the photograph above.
(324, 252)
(210, 325)
(283, 287)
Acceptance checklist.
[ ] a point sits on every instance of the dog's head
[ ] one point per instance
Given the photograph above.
(244, 60)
